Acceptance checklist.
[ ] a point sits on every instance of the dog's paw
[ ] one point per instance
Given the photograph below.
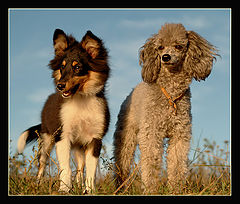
(88, 191)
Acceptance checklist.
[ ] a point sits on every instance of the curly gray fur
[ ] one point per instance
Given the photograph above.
(170, 59)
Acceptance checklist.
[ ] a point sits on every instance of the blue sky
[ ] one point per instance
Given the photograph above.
(123, 31)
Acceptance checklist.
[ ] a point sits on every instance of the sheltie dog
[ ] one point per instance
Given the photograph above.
(76, 116)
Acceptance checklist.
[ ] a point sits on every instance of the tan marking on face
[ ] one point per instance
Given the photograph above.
(57, 74)
(64, 63)
(74, 63)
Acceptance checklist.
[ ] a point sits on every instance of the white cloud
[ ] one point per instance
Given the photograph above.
(40, 95)
(199, 22)
(126, 48)
(30, 57)
(142, 24)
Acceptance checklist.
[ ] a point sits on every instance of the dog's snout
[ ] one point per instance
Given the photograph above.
(61, 86)
(166, 57)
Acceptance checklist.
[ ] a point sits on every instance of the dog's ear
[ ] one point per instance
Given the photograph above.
(150, 61)
(92, 44)
(97, 52)
(98, 61)
(60, 41)
(200, 56)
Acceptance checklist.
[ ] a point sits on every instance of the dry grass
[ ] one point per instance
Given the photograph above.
(209, 175)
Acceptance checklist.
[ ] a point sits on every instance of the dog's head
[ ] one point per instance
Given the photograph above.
(79, 67)
(172, 47)
(175, 49)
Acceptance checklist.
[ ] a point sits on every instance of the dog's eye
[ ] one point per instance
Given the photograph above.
(178, 47)
(160, 47)
(62, 66)
(76, 68)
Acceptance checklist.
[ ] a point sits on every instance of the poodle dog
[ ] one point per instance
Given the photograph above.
(160, 107)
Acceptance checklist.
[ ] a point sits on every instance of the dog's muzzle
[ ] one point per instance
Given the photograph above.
(67, 93)
(61, 87)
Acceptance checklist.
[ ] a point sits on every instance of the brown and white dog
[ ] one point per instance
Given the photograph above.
(77, 115)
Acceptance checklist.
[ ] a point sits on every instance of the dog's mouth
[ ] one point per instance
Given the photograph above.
(172, 67)
(169, 64)
(66, 94)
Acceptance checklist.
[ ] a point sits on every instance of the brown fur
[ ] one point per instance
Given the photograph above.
(170, 59)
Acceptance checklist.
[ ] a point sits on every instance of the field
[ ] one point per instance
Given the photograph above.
(209, 175)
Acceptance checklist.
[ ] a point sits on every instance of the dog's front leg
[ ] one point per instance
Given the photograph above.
(63, 154)
(80, 161)
(92, 154)
(151, 148)
(177, 159)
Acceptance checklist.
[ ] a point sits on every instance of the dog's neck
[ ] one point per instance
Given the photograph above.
(174, 83)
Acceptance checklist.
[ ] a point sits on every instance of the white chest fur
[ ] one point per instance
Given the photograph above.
(82, 118)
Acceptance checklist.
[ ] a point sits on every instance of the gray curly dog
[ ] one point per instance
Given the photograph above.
(160, 107)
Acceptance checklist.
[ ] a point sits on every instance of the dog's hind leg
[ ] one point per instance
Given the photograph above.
(125, 146)
(45, 144)
(125, 143)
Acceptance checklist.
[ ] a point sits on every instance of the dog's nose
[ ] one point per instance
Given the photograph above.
(61, 86)
(166, 57)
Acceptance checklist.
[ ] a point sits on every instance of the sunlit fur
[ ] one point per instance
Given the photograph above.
(76, 116)
(146, 116)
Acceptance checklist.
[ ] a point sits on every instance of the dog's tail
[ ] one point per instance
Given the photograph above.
(29, 135)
